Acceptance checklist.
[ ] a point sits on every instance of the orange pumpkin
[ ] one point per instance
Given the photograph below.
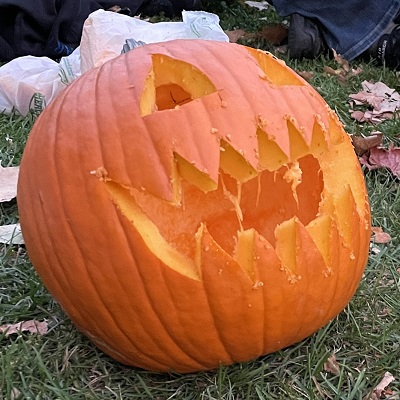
(194, 203)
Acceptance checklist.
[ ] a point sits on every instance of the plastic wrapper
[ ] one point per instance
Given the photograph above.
(33, 82)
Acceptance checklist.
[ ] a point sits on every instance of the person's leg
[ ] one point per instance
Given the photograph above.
(350, 27)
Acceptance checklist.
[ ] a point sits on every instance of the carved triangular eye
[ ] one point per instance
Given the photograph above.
(275, 70)
(172, 83)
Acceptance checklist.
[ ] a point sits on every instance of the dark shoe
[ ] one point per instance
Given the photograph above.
(388, 48)
(304, 38)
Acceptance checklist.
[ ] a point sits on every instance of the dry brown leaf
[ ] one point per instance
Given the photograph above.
(382, 101)
(8, 183)
(378, 157)
(387, 158)
(358, 116)
(364, 143)
(382, 238)
(331, 365)
(380, 89)
(371, 99)
(307, 75)
(386, 311)
(379, 236)
(274, 35)
(356, 72)
(235, 35)
(341, 61)
(330, 71)
(381, 391)
(344, 70)
(31, 326)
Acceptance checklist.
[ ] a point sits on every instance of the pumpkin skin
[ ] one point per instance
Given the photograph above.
(194, 203)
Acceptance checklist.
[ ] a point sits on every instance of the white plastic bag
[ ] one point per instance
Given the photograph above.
(22, 77)
(104, 34)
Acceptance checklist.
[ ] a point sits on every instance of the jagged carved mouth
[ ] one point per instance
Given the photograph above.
(284, 186)
(173, 232)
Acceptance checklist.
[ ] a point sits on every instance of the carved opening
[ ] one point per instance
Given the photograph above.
(261, 203)
(170, 95)
(172, 83)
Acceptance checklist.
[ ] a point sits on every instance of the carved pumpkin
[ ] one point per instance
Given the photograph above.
(194, 203)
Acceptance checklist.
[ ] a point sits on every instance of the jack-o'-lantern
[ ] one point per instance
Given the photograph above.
(194, 203)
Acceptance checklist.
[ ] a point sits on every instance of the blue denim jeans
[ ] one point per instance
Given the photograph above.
(348, 26)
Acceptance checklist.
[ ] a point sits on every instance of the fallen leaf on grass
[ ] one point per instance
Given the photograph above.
(283, 49)
(344, 70)
(341, 61)
(358, 116)
(11, 234)
(307, 75)
(382, 102)
(389, 158)
(364, 143)
(8, 183)
(31, 326)
(331, 365)
(330, 71)
(380, 89)
(374, 249)
(354, 72)
(381, 391)
(274, 35)
(379, 236)
(379, 157)
(235, 35)
(386, 311)
(15, 393)
(371, 98)
(261, 5)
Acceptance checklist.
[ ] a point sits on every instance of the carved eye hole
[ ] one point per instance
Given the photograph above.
(171, 83)
(170, 95)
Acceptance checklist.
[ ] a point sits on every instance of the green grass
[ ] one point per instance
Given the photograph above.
(365, 337)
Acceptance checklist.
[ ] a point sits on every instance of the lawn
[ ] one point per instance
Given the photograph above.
(345, 360)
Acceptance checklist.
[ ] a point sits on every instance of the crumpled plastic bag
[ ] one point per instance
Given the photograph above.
(103, 37)
(22, 77)
(98, 47)
(30, 82)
